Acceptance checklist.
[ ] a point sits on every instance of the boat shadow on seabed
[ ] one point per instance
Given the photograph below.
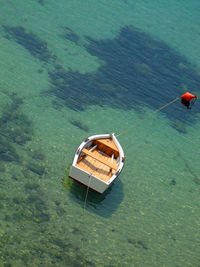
(102, 204)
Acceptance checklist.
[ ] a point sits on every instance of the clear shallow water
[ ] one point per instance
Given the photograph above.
(59, 83)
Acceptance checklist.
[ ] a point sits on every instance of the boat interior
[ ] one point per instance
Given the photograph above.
(100, 157)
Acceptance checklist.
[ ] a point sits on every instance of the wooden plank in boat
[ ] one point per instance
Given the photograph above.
(109, 143)
(108, 146)
(102, 171)
(102, 160)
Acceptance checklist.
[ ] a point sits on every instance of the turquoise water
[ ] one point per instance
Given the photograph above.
(70, 69)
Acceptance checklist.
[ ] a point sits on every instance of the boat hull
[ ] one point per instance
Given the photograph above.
(88, 178)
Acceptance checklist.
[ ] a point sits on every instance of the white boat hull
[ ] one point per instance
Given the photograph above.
(90, 178)
(87, 179)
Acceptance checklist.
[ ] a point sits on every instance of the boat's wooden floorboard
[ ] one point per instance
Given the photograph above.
(95, 167)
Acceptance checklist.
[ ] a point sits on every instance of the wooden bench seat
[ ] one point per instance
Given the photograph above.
(102, 160)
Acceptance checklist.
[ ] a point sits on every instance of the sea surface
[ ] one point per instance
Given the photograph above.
(71, 69)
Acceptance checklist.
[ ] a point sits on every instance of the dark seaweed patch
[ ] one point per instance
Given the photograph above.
(35, 46)
(74, 88)
(15, 129)
(37, 154)
(138, 71)
(36, 168)
(70, 35)
(38, 208)
(80, 125)
(68, 253)
(7, 150)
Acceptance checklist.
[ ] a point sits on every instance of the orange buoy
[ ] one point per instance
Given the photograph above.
(186, 98)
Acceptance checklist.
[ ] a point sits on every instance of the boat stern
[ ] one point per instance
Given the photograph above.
(88, 180)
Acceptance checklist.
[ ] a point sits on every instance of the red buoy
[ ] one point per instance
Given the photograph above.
(186, 98)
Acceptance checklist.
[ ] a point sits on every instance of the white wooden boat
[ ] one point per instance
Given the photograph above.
(97, 162)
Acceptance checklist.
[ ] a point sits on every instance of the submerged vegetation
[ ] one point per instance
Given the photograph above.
(19, 165)
(80, 125)
(71, 36)
(15, 130)
(137, 71)
(30, 41)
(24, 205)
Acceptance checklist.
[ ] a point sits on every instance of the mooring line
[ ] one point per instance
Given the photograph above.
(148, 116)
(85, 203)
(86, 195)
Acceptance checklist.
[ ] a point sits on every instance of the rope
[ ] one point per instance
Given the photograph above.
(192, 102)
(148, 116)
(86, 195)
(85, 202)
